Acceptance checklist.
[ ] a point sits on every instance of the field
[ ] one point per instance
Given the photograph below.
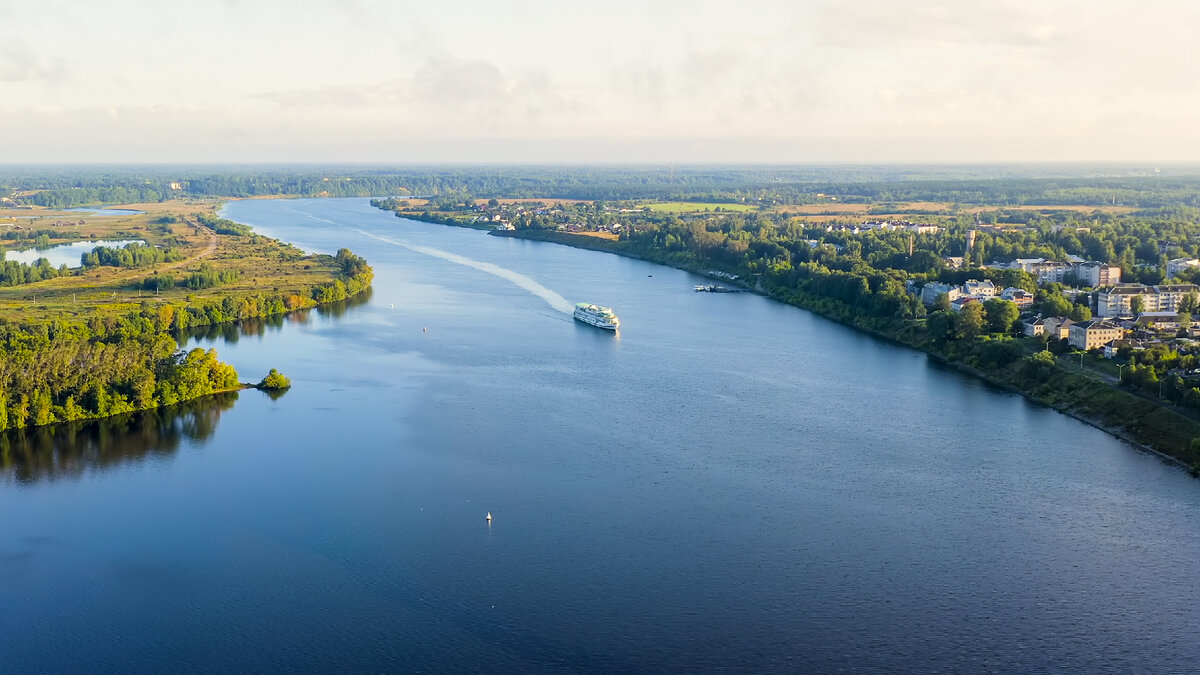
(611, 236)
(695, 207)
(264, 265)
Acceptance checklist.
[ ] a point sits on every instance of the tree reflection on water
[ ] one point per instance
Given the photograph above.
(70, 450)
(259, 326)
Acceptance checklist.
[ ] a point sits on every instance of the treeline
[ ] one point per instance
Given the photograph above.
(354, 276)
(80, 196)
(44, 380)
(206, 277)
(223, 226)
(14, 273)
(40, 237)
(990, 185)
(133, 254)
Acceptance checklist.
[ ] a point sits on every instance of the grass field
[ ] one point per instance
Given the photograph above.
(611, 236)
(264, 265)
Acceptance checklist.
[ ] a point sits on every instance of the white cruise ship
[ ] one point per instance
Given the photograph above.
(595, 315)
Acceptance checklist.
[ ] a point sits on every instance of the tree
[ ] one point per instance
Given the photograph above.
(1043, 358)
(969, 321)
(1081, 313)
(275, 381)
(940, 326)
(1001, 315)
(1137, 304)
(1055, 304)
(1189, 304)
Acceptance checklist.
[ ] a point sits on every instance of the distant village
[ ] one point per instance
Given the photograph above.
(1134, 316)
(1128, 315)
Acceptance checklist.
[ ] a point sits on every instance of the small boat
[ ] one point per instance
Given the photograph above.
(489, 517)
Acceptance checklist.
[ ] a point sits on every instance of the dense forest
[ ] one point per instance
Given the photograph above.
(1140, 187)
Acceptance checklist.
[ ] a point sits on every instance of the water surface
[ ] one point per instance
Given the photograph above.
(65, 254)
(728, 483)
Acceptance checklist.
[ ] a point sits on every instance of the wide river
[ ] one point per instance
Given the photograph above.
(729, 483)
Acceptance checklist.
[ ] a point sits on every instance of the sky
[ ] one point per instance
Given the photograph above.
(796, 81)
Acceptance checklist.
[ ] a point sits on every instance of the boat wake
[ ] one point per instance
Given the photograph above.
(553, 299)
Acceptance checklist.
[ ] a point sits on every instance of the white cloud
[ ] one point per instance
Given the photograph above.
(1045, 79)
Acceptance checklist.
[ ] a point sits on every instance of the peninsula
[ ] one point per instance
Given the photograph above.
(100, 335)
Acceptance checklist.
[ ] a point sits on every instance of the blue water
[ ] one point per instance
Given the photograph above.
(729, 483)
(65, 254)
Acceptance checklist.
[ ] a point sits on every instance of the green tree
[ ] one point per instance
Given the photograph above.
(940, 326)
(1055, 304)
(275, 381)
(1001, 315)
(969, 322)
(1137, 304)
(1189, 303)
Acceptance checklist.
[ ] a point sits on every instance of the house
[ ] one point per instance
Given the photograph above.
(1057, 327)
(1093, 334)
(1158, 320)
(953, 261)
(1118, 300)
(1095, 274)
(980, 290)
(1174, 267)
(1034, 327)
(933, 289)
(1171, 295)
(1049, 271)
(1021, 297)
(957, 304)
(1025, 263)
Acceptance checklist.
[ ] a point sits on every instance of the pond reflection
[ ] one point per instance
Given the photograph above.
(71, 450)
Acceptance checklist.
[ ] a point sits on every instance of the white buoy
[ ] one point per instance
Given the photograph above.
(489, 517)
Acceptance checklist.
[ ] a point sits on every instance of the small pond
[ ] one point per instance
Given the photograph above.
(67, 254)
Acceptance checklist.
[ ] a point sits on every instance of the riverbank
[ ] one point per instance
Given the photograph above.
(1151, 427)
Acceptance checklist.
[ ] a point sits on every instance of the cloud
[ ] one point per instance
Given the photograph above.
(442, 91)
(17, 64)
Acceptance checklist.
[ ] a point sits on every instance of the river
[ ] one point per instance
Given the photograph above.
(729, 483)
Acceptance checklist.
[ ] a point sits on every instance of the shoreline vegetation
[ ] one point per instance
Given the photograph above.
(875, 301)
(103, 338)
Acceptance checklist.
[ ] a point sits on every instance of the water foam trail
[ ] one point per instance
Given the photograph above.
(553, 299)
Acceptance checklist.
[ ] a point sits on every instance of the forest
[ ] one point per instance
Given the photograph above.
(998, 185)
